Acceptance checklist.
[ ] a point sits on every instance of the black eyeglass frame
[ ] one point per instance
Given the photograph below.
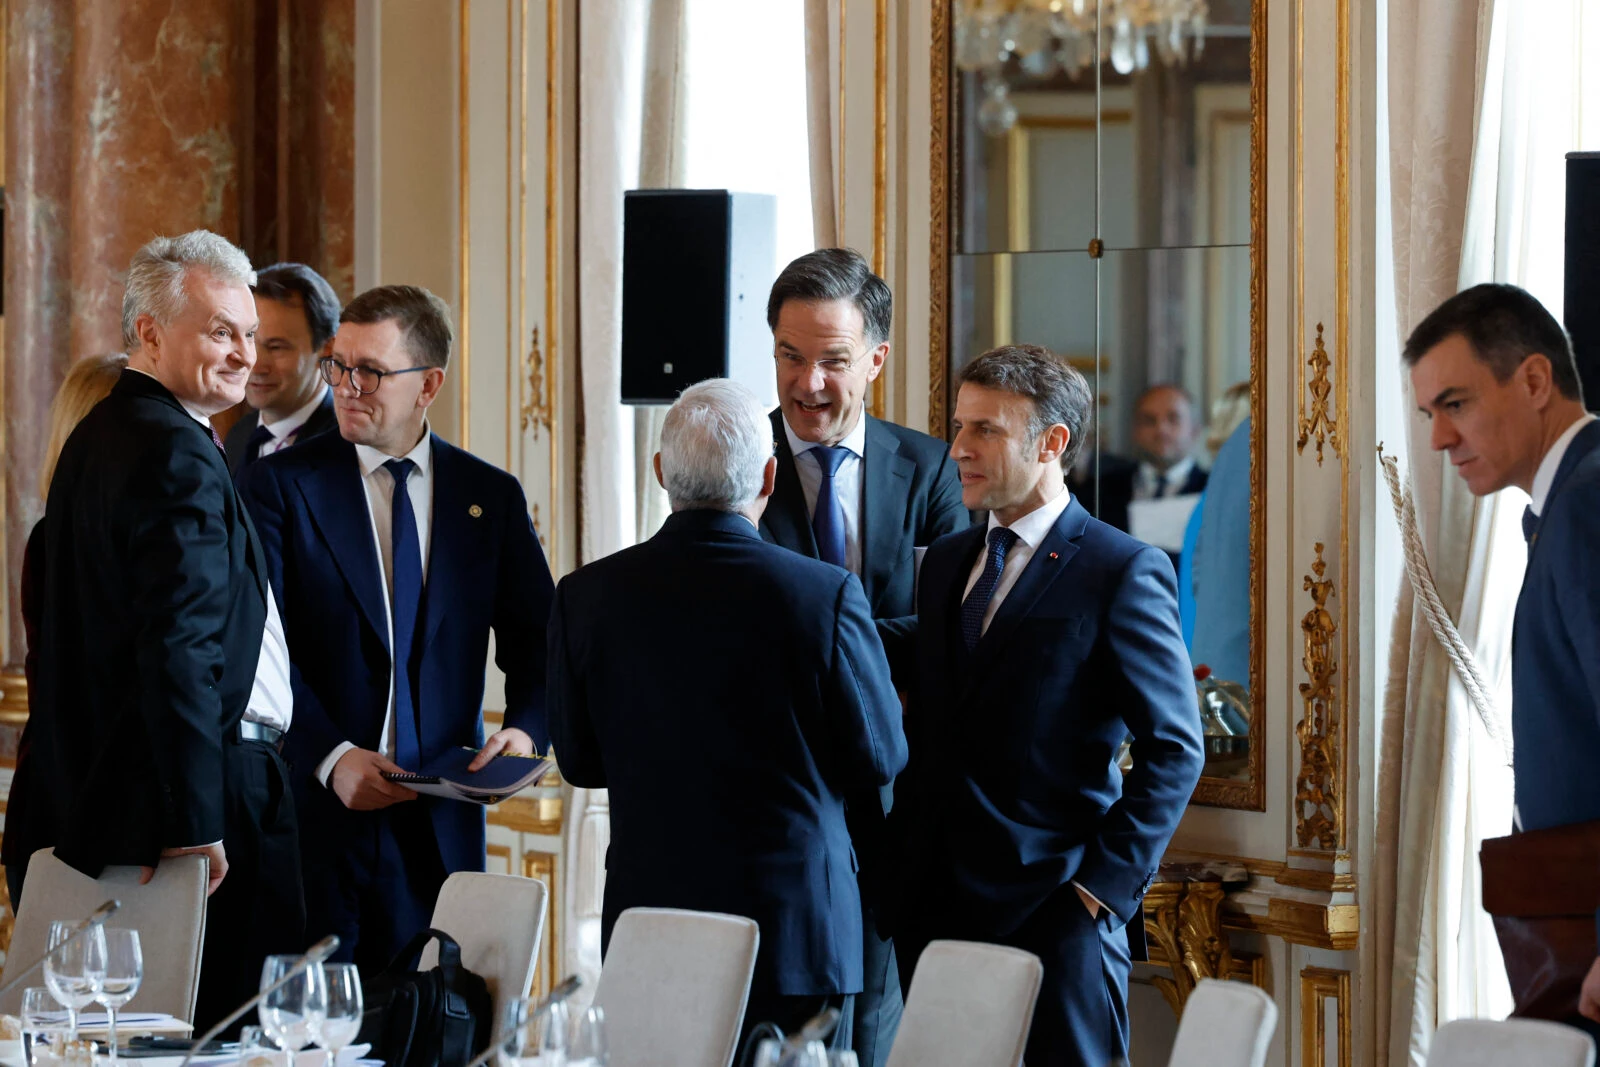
(334, 373)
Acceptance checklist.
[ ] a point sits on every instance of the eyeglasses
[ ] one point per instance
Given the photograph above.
(795, 363)
(365, 379)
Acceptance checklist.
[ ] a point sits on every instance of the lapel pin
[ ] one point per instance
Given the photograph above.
(475, 511)
(1055, 555)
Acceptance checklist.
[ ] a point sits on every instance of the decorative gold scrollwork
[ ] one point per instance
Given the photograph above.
(536, 408)
(1317, 788)
(1321, 420)
(1182, 921)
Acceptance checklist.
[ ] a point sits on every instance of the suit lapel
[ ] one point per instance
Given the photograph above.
(336, 501)
(887, 483)
(785, 520)
(1052, 556)
(1586, 441)
(944, 581)
(451, 533)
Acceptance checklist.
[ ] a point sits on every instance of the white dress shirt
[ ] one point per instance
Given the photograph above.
(379, 484)
(1545, 476)
(285, 429)
(271, 695)
(846, 483)
(1154, 484)
(1031, 531)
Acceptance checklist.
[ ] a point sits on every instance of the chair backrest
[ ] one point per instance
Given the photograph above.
(498, 920)
(1224, 1024)
(169, 913)
(674, 986)
(1509, 1043)
(970, 1005)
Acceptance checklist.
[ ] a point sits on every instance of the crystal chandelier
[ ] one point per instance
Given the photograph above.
(1045, 36)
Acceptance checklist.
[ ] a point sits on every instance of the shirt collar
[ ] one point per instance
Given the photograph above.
(371, 459)
(855, 440)
(203, 420)
(1174, 475)
(289, 424)
(1545, 476)
(1036, 524)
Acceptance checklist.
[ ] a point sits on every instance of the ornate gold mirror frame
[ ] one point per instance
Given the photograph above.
(1249, 793)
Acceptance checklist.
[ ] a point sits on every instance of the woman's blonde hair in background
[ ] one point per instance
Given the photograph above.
(88, 382)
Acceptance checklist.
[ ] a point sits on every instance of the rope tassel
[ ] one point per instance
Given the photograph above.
(1439, 621)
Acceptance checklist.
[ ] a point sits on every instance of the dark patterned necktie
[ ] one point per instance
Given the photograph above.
(977, 602)
(212, 430)
(1530, 524)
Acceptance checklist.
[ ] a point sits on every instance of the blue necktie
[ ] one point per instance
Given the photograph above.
(827, 521)
(977, 602)
(1530, 524)
(406, 550)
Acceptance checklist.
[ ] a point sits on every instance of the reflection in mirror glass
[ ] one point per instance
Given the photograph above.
(1174, 153)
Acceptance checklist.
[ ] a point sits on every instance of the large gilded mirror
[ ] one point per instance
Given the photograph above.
(1099, 190)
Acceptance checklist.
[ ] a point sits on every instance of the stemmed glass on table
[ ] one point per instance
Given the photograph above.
(342, 1021)
(124, 970)
(293, 1015)
(75, 970)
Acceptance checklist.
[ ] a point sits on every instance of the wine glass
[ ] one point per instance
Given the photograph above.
(292, 1015)
(75, 969)
(589, 1039)
(343, 1019)
(124, 971)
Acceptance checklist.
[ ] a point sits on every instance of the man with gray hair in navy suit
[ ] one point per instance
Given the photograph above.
(706, 647)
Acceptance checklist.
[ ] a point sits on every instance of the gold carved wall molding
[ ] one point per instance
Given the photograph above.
(1319, 785)
(1320, 421)
(1318, 985)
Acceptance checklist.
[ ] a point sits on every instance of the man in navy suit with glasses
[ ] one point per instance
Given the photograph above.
(395, 555)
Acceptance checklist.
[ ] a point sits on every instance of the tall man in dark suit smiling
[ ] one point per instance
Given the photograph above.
(163, 680)
(1493, 372)
(860, 493)
(395, 555)
(1043, 641)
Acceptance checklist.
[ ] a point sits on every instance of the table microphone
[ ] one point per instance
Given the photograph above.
(314, 955)
(521, 1014)
(95, 918)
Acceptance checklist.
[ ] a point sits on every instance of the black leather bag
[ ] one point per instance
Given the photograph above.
(438, 1018)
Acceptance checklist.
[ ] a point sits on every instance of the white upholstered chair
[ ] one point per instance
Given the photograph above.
(674, 986)
(1509, 1043)
(498, 920)
(1224, 1024)
(169, 913)
(970, 1005)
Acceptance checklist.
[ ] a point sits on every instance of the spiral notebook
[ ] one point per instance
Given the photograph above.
(446, 775)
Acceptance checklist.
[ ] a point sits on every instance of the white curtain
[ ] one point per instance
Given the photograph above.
(822, 116)
(1425, 729)
(1444, 785)
(611, 95)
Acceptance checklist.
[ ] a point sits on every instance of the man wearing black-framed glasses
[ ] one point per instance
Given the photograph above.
(396, 555)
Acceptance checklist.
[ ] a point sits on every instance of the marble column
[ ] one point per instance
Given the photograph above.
(37, 276)
(158, 118)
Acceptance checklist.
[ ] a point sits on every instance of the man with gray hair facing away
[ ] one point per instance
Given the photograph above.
(163, 688)
(758, 669)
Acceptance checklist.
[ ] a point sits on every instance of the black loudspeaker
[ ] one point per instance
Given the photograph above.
(1581, 290)
(696, 269)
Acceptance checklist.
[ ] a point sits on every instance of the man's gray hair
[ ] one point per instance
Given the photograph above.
(156, 276)
(715, 443)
